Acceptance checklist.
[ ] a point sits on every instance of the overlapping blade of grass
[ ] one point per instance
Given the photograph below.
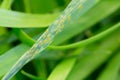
(28, 40)
(90, 40)
(26, 20)
(111, 72)
(13, 57)
(4, 46)
(23, 36)
(41, 68)
(104, 6)
(8, 62)
(103, 9)
(23, 20)
(75, 10)
(62, 70)
(61, 47)
(95, 57)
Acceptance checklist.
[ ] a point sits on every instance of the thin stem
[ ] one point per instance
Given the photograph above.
(23, 36)
(30, 75)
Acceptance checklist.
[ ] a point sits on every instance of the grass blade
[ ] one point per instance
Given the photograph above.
(111, 71)
(62, 70)
(15, 19)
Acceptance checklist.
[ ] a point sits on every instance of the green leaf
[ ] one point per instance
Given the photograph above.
(36, 6)
(111, 72)
(90, 40)
(95, 57)
(62, 70)
(16, 19)
(118, 77)
(11, 56)
(15, 53)
(30, 76)
(6, 4)
(28, 40)
(87, 20)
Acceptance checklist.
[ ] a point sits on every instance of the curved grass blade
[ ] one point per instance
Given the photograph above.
(16, 19)
(23, 36)
(75, 10)
(30, 76)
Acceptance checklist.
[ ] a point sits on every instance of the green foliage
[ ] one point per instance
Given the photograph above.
(23, 20)
(112, 69)
(86, 30)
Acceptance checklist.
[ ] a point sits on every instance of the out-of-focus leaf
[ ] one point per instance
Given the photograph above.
(36, 6)
(24, 20)
(10, 57)
(94, 58)
(14, 53)
(30, 76)
(111, 71)
(63, 68)
(2, 31)
(4, 46)
(6, 4)
(118, 77)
